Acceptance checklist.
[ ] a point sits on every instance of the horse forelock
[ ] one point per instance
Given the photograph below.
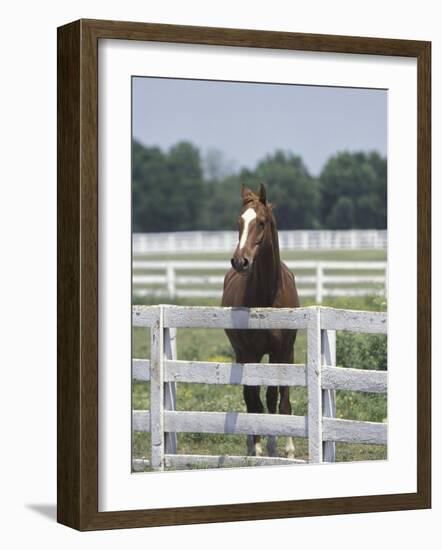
(258, 206)
(249, 199)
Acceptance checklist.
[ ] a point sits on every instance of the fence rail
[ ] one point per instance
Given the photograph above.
(320, 375)
(171, 279)
(225, 241)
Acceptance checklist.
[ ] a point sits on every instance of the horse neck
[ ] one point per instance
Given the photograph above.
(265, 278)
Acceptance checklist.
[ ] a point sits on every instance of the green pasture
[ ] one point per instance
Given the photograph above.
(301, 255)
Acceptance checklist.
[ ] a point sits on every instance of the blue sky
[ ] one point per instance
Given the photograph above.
(246, 121)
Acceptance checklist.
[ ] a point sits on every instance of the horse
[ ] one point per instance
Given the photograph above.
(258, 278)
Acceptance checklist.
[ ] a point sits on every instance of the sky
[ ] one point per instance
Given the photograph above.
(247, 121)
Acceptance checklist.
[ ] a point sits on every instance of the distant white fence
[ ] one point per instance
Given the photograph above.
(184, 242)
(186, 279)
(320, 375)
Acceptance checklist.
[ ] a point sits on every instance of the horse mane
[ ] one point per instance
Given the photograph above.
(251, 199)
(275, 241)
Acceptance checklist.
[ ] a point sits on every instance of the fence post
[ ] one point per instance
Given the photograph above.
(171, 283)
(157, 392)
(319, 282)
(304, 245)
(354, 239)
(170, 443)
(314, 386)
(328, 338)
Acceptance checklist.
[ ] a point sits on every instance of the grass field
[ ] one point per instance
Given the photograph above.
(305, 287)
(359, 351)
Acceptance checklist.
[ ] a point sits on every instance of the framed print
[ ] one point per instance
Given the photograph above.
(240, 209)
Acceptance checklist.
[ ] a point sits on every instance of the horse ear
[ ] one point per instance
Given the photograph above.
(262, 193)
(247, 194)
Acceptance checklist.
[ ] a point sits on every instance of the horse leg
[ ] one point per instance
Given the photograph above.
(272, 400)
(254, 405)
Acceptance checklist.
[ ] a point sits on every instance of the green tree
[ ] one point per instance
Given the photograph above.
(290, 187)
(353, 188)
(171, 193)
(168, 192)
(216, 167)
(187, 196)
(223, 203)
(150, 184)
(342, 213)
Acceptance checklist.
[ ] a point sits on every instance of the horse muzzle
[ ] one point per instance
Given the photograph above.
(240, 264)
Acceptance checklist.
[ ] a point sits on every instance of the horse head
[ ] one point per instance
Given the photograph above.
(256, 226)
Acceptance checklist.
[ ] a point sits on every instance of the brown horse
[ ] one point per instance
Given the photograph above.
(258, 278)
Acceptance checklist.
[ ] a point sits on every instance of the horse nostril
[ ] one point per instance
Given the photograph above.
(239, 264)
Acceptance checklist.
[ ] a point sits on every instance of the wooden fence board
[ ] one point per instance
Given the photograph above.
(219, 461)
(339, 378)
(220, 422)
(354, 431)
(141, 421)
(346, 431)
(141, 370)
(236, 318)
(187, 462)
(251, 374)
(145, 316)
(236, 423)
(327, 281)
(333, 378)
(353, 321)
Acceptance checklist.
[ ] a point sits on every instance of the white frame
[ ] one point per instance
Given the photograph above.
(118, 488)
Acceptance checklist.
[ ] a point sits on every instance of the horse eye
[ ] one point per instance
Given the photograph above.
(261, 224)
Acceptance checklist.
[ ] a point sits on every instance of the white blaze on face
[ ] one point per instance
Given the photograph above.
(248, 216)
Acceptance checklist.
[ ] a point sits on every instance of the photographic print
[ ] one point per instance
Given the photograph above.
(228, 201)
(259, 274)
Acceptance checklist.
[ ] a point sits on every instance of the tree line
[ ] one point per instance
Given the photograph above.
(178, 190)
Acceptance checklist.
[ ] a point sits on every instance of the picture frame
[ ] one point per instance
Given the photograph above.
(78, 274)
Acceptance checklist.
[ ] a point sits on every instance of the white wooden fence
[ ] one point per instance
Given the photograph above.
(168, 279)
(320, 375)
(225, 241)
